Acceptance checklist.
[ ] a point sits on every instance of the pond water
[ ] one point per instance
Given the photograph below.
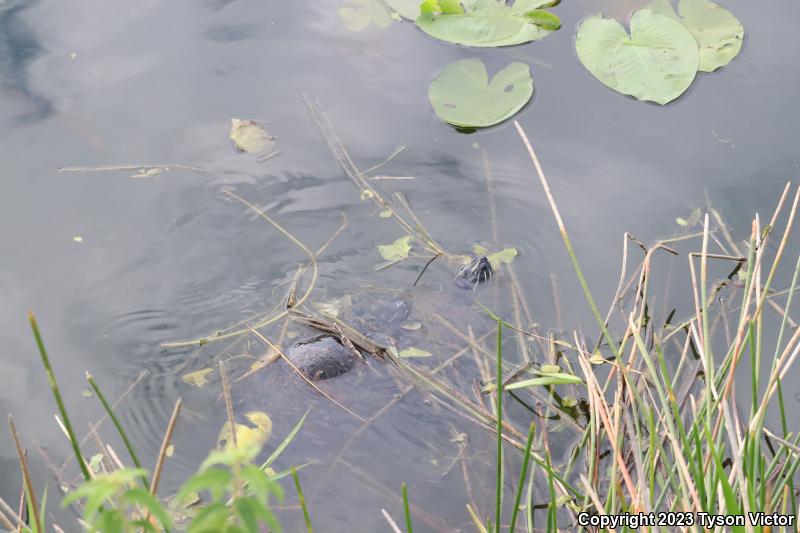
(114, 266)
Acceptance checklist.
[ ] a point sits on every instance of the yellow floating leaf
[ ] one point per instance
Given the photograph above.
(505, 255)
(597, 359)
(250, 136)
(396, 251)
(333, 308)
(479, 250)
(414, 352)
(385, 214)
(411, 326)
(170, 450)
(550, 369)
(198, 377)
(366, 194)
(247, 435)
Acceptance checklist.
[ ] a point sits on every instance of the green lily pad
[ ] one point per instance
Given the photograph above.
(657, 62)
(718, 33)
(462, 94)
(360, 14)
(397, 251)
(489, 22)
(408, 9)
(506, 255)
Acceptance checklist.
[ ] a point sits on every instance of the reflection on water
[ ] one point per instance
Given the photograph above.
(169, 258)
(18, 48)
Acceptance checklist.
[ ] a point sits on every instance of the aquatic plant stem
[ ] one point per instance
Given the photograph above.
(115, 421)
(57, 395)
(26, 476)
(567, 242)
(499, 416)
(302, 499)
(407, 509)
(522, 476)
(162, 453)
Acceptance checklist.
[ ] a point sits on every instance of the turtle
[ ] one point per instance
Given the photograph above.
(326, 356)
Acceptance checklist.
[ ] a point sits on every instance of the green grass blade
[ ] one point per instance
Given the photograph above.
(57, 395)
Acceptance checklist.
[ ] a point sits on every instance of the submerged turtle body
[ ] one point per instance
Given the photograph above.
(322, 357)
(325, 357)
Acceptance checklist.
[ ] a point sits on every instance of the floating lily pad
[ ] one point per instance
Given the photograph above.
(462, 94)
(250, 136)
(397, 251)
(360, 14)
(718, 33)
(408, 9)
(506, 255)
(489, 22)
(656, 62)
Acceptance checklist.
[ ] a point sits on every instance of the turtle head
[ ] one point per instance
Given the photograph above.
(479, 270)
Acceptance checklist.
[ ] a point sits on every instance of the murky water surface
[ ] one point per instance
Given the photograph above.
(114, 266)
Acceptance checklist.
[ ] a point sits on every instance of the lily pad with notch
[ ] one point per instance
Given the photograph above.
(462, 95)
(718, 33)
(657, 62)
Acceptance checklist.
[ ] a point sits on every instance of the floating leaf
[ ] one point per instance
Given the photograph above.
(597, 359)
(170, 450)
(718, 33)
(408, 9)
(257, 434)
(251, 137)
(479, 249)
(334, 307)
(414, 352)
(437, 7)
(506, 255)
(657, 62)
(489, 22)
(78, 239)
(411, 326)
(569, 401)
(544, 19)
(86, 393)
(385, 214)
(95, 462)
(397, 251)
(366, 194)
(198, 377)
(550, 369)
(359, 14)
(462, 95)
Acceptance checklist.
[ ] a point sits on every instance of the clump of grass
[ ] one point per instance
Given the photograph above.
(675, 437)
(124, 498)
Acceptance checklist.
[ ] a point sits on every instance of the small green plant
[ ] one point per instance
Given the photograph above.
(240, 493)
(115, 502)
(124, 500)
